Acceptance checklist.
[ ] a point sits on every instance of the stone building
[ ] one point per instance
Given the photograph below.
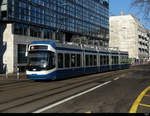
(128, 34)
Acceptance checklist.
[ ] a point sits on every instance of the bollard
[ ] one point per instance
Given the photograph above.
(18, 73)
(6, 73)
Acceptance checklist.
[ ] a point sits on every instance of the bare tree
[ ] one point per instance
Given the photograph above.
(144, 7)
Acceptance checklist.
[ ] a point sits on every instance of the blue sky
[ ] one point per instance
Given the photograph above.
(116, 6)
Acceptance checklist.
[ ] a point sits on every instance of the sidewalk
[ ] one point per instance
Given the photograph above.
(13, 76)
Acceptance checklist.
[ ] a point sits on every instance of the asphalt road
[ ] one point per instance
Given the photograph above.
(121, 91)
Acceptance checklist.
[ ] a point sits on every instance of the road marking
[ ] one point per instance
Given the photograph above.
(145, 105)
(116, 78)
(138, 100)
(89, 112)
(70, 98)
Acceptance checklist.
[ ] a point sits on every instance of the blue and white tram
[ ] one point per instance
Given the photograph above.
(50, 60)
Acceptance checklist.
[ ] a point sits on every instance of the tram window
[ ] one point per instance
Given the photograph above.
(121, 59)
(104, 58)
(113, 60)
(67, 60)
(78, 60)
(124, 60)
(95, 60)
(91, 60)
(107, 60)
(101, 60)
(127, 60)
(87, 60)
(52, 61)
(117, 60)
(73, 60)
(60, 60)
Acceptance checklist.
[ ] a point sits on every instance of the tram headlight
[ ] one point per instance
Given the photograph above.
(44, 65)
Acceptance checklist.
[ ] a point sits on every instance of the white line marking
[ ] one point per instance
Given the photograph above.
(67, 99)
(116, 78)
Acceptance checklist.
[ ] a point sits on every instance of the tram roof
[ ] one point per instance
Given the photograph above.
(79, 47)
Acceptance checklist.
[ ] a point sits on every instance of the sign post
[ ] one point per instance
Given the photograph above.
(18, 73)
(6, 72)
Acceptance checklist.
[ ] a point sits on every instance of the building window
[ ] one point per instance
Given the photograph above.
(48, 34)
(85, 17)
(21, 54)
(20, 29)
(35, 32)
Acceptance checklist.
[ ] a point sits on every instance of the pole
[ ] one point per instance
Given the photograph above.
(6, 72)
(18, 73)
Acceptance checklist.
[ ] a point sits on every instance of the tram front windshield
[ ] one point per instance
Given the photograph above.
(41, 60)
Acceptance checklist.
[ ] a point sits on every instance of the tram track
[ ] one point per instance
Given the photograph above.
(30, 82)
(14, 82)
(41, 92)
(20, 84)
(43, 97)
(77, 84)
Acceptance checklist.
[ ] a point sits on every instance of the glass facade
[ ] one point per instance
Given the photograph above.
(37, 18)
(21, 54)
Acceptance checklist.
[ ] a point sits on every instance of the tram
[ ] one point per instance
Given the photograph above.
(48, 60)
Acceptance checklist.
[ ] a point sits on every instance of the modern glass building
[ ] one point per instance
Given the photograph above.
(53, 19)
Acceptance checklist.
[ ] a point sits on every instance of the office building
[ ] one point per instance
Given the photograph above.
(84, 21)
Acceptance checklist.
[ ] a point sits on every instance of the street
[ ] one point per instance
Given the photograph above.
(120, 91)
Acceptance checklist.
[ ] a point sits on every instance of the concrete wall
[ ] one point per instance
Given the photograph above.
(8, 57)
(11, 54)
